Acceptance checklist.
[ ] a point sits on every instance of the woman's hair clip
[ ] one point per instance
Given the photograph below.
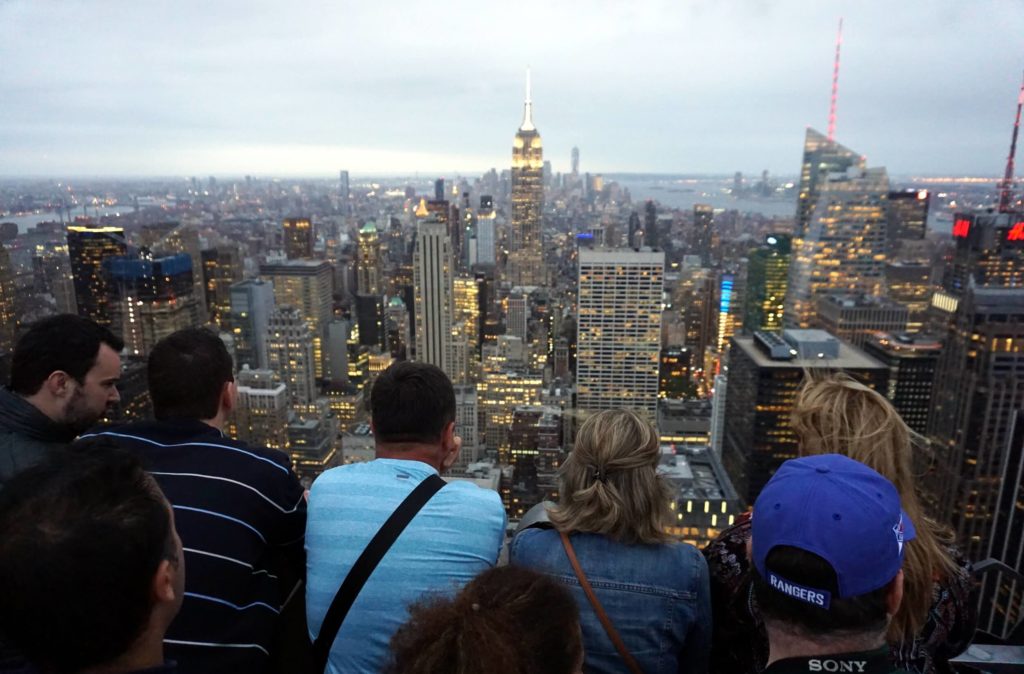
(598, 474)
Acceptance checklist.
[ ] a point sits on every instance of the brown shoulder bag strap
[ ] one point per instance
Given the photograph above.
(613, 634)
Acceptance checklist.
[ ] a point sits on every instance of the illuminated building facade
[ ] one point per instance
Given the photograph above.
(150, 299)
(311, 440)
(396, 321)
(909, 282)
(87, 248)
(732, 287)
(619, 329)
(368, 268)
(767, 280)
(704, 502)
(979, 390)
(695, 295)
(174, 238)
(260, 417)
(298, 238)
(525, 263)
(856, 317)
(434, 295)
(843, 247)
(307, 286)
(222, 266)
(467, 309)
(498, 395)
(290, 354)
(252, 302)
(821, 157)
(907, 217)
(8, 317)
(911, 360)
(675, 376)
(703, 230)
(765, 371)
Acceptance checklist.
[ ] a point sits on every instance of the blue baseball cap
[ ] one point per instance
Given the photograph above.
(838, 509)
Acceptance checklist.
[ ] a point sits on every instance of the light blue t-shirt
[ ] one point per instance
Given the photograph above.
(456, 535)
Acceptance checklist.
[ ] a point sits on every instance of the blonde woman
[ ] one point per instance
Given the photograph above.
(935, 622)
(643, 599)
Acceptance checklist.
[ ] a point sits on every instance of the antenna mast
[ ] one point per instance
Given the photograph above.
(835, 85)
(1006, 186)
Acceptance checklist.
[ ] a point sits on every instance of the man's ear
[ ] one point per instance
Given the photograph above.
(59, 384)
(164, 581)
(228, 395)
(894, 594)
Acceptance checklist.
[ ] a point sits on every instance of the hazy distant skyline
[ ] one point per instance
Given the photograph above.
(699, 86)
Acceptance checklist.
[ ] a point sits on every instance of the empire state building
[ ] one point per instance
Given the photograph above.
(526, 261)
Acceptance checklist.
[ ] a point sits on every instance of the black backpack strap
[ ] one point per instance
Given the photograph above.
(367, 562)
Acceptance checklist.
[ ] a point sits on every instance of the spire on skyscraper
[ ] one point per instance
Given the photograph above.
(527, 124)
(835, 85)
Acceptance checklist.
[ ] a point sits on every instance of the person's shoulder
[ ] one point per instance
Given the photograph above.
(218, 450)
(466, 492)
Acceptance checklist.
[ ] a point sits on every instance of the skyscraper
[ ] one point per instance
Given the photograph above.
(290, 355)
(821, 157)
(575, 161)
(842, 248)
(525, 264)
(703, 224)
(907, 217)
(909, 282)
(261, 411)
(369, 261)
(252, 301)
(172, 238)
(619, 329)
(343, 192)
(87, 248)
(434, 295)
(306, 285)
(298, 238)
(856, 317)
(765, 371)
(911, 360)
(8, 317)
(767, 279)
(222, 266)
(150, 299)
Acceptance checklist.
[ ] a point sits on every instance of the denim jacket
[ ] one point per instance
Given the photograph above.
(656, 596)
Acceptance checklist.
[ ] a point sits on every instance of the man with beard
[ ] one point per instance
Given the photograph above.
(64, 374)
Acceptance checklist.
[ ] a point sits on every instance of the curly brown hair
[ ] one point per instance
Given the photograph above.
(507, 620)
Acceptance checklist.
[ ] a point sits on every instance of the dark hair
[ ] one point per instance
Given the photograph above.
(507, 620)
(863, 614)
(81, 536)
(187, 372)
(412, 402)
(63, 342)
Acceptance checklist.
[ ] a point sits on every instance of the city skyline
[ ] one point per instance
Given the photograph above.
(925, 88)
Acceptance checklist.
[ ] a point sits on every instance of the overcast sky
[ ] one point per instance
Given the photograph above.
(184, 87)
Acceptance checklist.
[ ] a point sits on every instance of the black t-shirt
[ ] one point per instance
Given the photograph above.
(864, 662)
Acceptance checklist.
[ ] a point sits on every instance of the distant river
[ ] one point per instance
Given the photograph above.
(26, 222)
(683, 193)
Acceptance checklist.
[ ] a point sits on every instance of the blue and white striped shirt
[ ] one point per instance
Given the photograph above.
(241, 516)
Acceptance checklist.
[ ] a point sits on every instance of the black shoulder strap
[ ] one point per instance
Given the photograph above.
(367, 562)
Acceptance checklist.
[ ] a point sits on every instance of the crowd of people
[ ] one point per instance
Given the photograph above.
(164, 546)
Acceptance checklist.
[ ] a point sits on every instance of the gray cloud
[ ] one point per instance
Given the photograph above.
(271, 87)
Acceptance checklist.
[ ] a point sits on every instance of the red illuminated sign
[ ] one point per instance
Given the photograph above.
(961, 227)
(1016, 232)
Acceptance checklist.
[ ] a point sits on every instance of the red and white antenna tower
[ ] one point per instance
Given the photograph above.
(1006, 186)
(835, 85)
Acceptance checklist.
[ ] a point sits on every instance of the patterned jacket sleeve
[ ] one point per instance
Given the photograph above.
(738, 644)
